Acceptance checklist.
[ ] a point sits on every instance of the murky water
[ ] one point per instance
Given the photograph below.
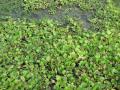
(117, 3)
(60, 14)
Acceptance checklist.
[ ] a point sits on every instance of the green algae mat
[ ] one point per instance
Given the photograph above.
(59, 44)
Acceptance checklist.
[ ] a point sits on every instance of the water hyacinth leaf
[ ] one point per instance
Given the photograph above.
(59, 44)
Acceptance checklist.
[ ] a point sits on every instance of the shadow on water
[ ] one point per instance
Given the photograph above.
(14, 9)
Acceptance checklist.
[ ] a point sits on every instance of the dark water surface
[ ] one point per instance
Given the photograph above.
(10, 8)
(14, 9)
(62, 13)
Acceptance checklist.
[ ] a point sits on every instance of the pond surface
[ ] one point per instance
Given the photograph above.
(61, 15)
(15, 10)
(117, 3)
(9, 7)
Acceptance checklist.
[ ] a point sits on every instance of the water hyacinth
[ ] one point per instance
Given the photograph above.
(60, 45)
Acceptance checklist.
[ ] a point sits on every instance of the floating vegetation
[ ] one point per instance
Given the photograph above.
(59, 45)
